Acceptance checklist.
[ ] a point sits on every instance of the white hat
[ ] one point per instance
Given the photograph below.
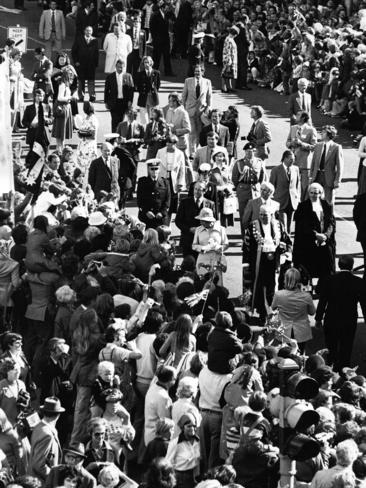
(206, 214)
(97, 218)
(205, 167)
(199, 35)
(79, 212)
(111, 135)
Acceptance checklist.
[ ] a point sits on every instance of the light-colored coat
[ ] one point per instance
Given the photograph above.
(191, 103)
(334, 162)
(45, 25)
(307, 134)
(178, 170)
(202, 156)
(45, 450)
(181, 124)
(116, 48)
(286, 190)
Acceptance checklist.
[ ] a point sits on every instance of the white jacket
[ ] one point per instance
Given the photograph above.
(178, 168)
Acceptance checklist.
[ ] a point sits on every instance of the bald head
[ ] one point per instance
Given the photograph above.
(107, 149)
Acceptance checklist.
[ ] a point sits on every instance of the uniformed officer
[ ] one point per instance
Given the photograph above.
(248, 174)
(153, 196)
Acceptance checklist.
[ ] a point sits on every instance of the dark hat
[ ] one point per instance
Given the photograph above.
(313, 362)
(76, 449)
(39, 50)
(249, 145)
(52, 405)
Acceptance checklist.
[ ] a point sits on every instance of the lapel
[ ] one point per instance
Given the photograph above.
(329, 152)
(105, 167)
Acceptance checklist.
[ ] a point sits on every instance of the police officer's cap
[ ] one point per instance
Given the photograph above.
(153, 163)
(248, 146)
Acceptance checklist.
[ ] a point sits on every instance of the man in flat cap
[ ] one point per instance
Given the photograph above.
(153, 196)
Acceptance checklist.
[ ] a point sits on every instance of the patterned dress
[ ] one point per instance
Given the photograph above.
(230, 59)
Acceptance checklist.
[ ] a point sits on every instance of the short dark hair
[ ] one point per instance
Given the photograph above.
(305, 117)
(153, 322)
(165, 373)
(286, 154)
(346, 262)
(212, 134)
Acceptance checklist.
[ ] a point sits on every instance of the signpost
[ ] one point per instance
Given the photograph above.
(20, 36)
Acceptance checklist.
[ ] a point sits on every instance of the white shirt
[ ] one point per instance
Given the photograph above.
(268, 244)
(119, 85)
(211, 386)
(158, 404)
(45, 200)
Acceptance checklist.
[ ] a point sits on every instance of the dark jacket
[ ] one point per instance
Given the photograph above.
(359, 217)
(145, 257)
(146, 84)
(223, 345)
(32, 132)
(53, 479)
(159, 28)
(84, 20)
(111, 90)
(87, 55)
(153, 196)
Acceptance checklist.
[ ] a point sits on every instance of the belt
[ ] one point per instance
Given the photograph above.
(207, 410)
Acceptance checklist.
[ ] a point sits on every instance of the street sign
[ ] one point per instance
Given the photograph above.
(20, 35)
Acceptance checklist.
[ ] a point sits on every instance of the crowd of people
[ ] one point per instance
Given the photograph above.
(124, 359)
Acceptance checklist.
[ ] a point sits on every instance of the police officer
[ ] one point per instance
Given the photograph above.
(153, 196)
(248, 174)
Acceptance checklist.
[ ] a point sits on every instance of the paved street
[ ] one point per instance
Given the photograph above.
(275, 107)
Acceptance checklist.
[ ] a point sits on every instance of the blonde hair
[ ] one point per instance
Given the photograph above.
(151, 237)
(292, 279)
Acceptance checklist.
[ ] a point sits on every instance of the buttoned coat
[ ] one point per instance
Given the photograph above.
(87, 54)
(111, 90)
(334, 162)
(146, 84)
(116, 48)
(101, 178)
(178, 169)
(286, 190)
(223, 133)
(153, 196)
(45, 25)
(191, 103)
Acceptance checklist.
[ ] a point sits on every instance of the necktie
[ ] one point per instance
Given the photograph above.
(251, 132)
(198, 89)
(198, 204)
(288, 174)
(53, 22)
(129, 131)
(216, 129)
(322, 159)
(303, 101)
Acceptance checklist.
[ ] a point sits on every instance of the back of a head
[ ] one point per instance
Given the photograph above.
(40, 223)
(87, 295)
(165, 374)
(153, 322)
(346, 262)
(160, 474)
(346, 452)
(223, 320)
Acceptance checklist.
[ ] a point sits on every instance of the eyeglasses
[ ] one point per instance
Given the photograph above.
(99, 434)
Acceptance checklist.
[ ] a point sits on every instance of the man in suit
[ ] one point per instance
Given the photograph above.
(153, 197)
(339, 298)
(40, 65)
(138, 37)
(74, 456)
(147, 86)
(359, 218)
(118, 93)
(86, 15)
(301, 140)
(159, 30)
(214, 126)
(259, 134)
(196, 98)
(178, 121)
(286, 180)
(300, 101)
(31, 119)
(85, 54)
(187, 212)
(251, 211)
(132, 133)
(172, 168)
(104, 173)
(127, 171)
(52, 29)
(204, 154)
(327, 163)
(45, 446)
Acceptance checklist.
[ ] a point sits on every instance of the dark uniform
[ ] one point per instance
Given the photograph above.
(153, 196)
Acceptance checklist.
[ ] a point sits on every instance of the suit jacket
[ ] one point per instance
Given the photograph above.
(251, 211)
(186, 218)
(191, 103)
(28, 117)
(223, 133)
(338, 301)
(111, 90)
(137, 132)
(294, 103)
(101, 178)
(334, 162)
(359, 217)
(307, 134)
(202, 155)
(159, 28)
(45, 450)
(260, 135)
(87, 54)
(45, 25)
(286, 190)
(153, 196)
(148, 84)
(177, 173)
(181, 124)
(141, 41)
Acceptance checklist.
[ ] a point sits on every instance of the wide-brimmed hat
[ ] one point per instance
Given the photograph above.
(97, 218)
(77, 449)
(206, 214)
(52, 405)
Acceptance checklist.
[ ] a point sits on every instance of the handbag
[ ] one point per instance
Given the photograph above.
(230, 205)
(59, 110)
